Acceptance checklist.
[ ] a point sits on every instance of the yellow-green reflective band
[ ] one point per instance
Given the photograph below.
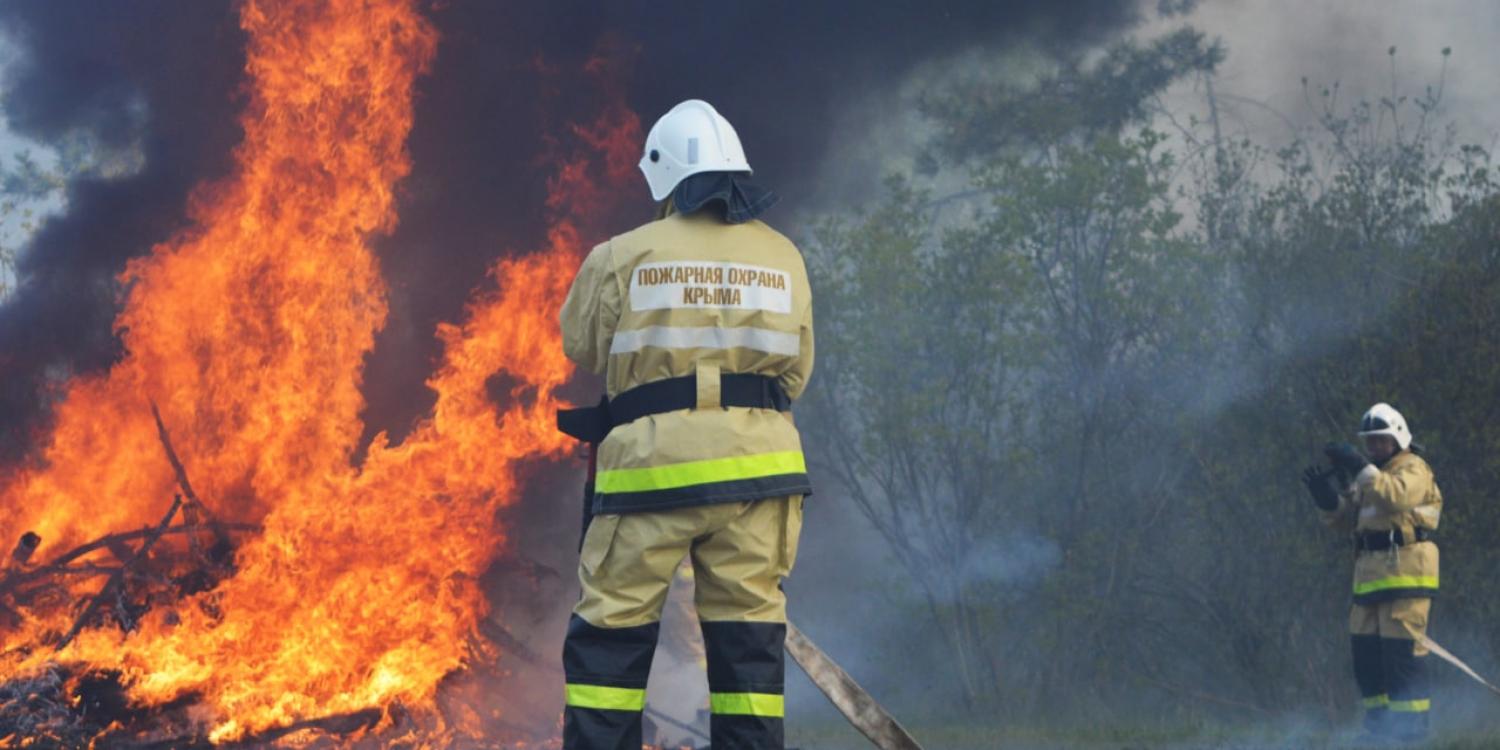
(612, 698)
(689, 473)
(1376, 701)
(1396, 582)
(1411, 707)
(747, 704)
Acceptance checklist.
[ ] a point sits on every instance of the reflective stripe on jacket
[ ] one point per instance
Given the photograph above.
(1402, 496)
(693, 296)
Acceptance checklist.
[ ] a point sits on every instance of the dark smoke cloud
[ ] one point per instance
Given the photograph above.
(507, 78)
(155, 76)
(781, 71)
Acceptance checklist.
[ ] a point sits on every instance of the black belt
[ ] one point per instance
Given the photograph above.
(1371, 541)
(590, 424)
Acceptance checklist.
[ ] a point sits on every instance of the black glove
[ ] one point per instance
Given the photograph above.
(1321, 489)
(1341, 479)
(1346, 457)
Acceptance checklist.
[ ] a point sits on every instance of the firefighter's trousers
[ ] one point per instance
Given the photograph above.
(740, 553)
(1390, 665)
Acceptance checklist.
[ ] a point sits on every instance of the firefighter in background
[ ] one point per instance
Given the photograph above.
(1392, 504)
(701, 324)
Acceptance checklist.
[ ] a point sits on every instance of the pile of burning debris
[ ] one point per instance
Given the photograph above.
(150, 572)
(59, 709)
(279, 598)
(67, 705)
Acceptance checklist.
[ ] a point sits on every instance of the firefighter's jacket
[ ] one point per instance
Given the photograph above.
(689, 295)
(1399, 497)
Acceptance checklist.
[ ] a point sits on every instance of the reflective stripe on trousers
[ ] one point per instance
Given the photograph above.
(746, 674)
(606, 671)
(740, 553)
(1392, 677)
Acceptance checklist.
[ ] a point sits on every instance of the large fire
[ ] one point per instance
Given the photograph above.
(249, 332)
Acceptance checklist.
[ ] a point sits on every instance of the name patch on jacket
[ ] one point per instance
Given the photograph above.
(654, 286)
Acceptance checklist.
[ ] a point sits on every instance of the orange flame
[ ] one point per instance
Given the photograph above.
(250, 331)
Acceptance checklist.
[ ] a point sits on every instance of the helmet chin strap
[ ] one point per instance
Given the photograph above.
(665, 208)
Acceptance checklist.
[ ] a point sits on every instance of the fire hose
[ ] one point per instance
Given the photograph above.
(846, 695)
(851, 700)
(1443, 654)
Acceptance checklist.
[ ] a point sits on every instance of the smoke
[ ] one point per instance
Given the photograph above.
(1347, 42)
(159, 119)
(156, 86)
(1270, 89)
(507, 81)
(856, 591)
(1010, 560)
(823, 96)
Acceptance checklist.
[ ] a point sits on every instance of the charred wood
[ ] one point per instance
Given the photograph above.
(509, 643)
(337, 725)
(130, 536)
(196, 512)
(25, 548)
(116, 579)
(22, 584)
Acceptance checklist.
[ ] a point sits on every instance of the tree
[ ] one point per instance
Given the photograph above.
(1336, 261)
(1077, 418)
(982, 352)
(925, 442)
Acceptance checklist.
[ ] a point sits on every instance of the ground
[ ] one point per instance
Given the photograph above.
(830, 737)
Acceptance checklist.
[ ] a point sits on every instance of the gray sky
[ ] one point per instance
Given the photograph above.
(1273, 44)
(1342, 46)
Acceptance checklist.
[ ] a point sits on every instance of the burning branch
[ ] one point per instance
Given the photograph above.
(195, 513)
(15, 579)
(112, 585)
(195, 506)
(129, 536)
(25, 548)
(18, 560)
(166, 442)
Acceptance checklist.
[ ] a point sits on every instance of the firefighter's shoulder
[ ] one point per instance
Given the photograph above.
(1408, 461)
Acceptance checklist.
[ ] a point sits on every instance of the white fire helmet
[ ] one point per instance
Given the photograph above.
(1381, 419)
(693, 137)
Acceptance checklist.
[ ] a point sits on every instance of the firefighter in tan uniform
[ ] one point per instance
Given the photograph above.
(1392, 505)
(701, 324)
